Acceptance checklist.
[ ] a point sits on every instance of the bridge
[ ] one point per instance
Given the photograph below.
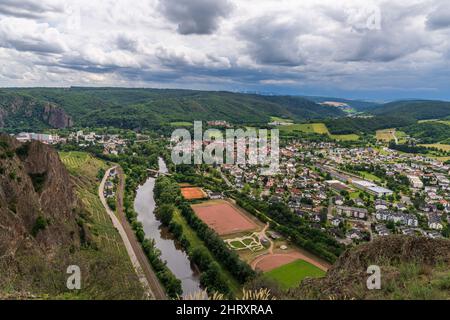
(156, 173)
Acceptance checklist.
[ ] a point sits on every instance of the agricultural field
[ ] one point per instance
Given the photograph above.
(81, 163)
(443, 147)
(318, 128)
(290, 275)
(223, 217)
(279, 119)
(345, 137)
(386, 135)
(181, 124)
(84, 170)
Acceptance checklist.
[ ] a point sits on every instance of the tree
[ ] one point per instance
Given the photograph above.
(165, 213)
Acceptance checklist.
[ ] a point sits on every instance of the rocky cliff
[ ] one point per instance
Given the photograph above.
(21, 110)
(40, 214)
(56, 117)
(411, 268)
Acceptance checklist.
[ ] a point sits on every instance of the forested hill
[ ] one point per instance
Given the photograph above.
(150, 108)
(397, 114)
(416, 109)
(358, 105)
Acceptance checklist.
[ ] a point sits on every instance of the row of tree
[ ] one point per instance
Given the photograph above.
(168, 198)
(211, 277)
(292, 226)
(135, 164)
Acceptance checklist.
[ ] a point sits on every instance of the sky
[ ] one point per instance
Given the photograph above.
(375, 50)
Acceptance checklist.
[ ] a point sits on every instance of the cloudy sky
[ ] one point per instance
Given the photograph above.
(361, 49)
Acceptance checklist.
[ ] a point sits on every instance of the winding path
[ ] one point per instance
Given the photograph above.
(137, 256)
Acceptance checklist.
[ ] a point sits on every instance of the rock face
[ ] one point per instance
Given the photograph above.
(56, 117)
(31, 111)
(406, 263)
(39, 209)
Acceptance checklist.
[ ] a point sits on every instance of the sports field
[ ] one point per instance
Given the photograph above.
(291, 274)
(223, 217)
(193, 193)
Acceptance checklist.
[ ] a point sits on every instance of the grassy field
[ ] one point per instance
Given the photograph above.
(196, 242)
(388, 135)
(278, 119)
(290, 275)
(447, 122)
(318, 128)
(345, 137)
(443, 147)
(81, 163)
(369, 176)
(385, 135)
(117, 271)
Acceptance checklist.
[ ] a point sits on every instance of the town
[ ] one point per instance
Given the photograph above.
(357, 193)
(354, 194)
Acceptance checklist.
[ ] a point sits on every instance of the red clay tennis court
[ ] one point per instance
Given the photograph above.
(223, 217)
(193, 193)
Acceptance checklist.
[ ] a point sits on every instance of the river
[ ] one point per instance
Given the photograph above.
(177, 259)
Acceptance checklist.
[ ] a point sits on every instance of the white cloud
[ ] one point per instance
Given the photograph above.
(227, 44)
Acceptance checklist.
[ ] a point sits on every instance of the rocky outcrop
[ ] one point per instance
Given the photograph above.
(15, 107)
(406, 263)
(56, 117)
(39, 209)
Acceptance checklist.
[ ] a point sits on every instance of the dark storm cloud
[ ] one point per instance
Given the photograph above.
(377, 47)
(27, 45)
(27, 8)
(439, 18)
(272, 42)
(195, 16)
(127, 43)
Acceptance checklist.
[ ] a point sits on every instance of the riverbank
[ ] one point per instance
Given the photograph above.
(171, 251)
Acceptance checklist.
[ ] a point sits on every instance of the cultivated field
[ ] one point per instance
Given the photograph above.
(279, 119)
(443, 147)
(181, 124)
(110, 251)
(193, 193)
(290, 275)
(319, 128)
(386, 135)
(223, 217)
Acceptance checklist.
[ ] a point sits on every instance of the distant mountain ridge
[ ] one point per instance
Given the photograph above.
(150, 108)
(416, 109)
(22, 111)
(357, 105)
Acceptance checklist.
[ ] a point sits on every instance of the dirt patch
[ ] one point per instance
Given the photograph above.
(223, 217)
(272, 261)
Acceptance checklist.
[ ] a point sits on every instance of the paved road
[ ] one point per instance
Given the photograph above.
(137, 256)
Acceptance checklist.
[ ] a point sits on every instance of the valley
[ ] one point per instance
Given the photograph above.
(218, 230)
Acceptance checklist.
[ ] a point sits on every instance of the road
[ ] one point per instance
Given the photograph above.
(229, 184)
(147, 276)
